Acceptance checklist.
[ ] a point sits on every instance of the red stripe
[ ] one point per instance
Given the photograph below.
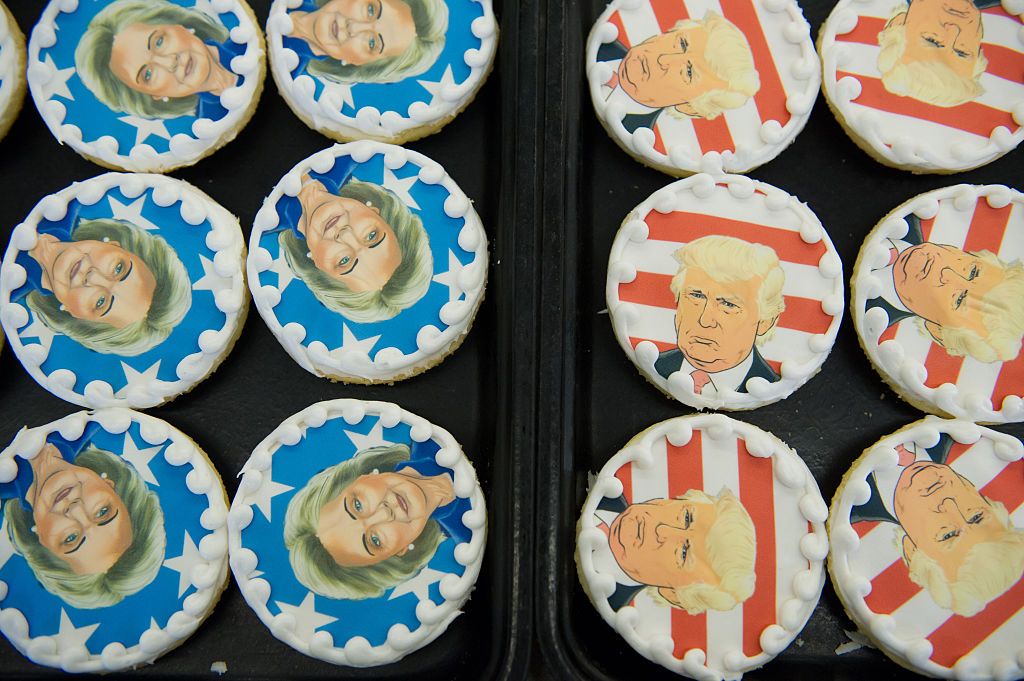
(865, 32)
(616, 19)
(988, 226)
(1010, 381)
(686, 472)
(662, 347)
(669, 13)
(971, 117)
(926, 228)
(941, 366)
(891, 588)
(888, 334)
(683, 227)
(959, 635)
(956, 450)
(659, 141)
(1008, 486)
(688, 632)
(771, 98)
(713, 134)
(758, 496)
(864, 526)
(776, 366)
(804, 314)
(625, 476)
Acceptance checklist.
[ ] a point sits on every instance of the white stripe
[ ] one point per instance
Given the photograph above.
(722, 204)
(784, 53)
(1013, 248)
(785, 344)
(655, 619)
(653, 323)
(1017, 517)
(979, 464)
(951, 225)
(640, 23)
(1001, 31)
(916, 343)
(698, 8)
(898, 125)
(790, 528)
(919, 616)
(745, 125)
(1000, 93)
(678, 132)
(804, 281)
(876, 552)
(721, 471)
(979, 377)
(725, 633)
(653, 256)
(652, 482)
(1004, 639)
(881, 9)
(860, 59)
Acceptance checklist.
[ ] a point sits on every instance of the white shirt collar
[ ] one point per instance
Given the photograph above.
(722, 381)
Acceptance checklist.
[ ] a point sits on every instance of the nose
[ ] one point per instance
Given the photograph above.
(707, 318)
(949, 505)
(671, 60)
(666, 533)
(167, 62)
(76, 511)
(948, 275)
(347, 237)
(383, 514)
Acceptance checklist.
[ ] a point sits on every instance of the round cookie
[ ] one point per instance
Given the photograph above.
(357, 532)
(933, 89)
(12, 70)
(124, 290)
(389, 70)
(928, 549)
(389, 282)
(938, 301)
(120, 553)
(146, 85)
(690, 87)
(702, 543)
(726, 293)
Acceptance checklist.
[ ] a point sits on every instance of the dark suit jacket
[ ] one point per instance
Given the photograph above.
(671, 360)
(914, 237)
(873, 508)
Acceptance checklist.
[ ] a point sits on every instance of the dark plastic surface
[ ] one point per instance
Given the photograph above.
(483, 394)
(592, 398)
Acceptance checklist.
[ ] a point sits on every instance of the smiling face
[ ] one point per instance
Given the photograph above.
(662, 542)
(948, 31)
(943, 514)
(95, 280)
(362, 31)
(162, 60)
(669, 69)
(945, 285)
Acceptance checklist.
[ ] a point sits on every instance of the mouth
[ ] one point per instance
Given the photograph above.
(190, 66)
(62, 495)
(75, 269)
(402, 503)
(334, 29)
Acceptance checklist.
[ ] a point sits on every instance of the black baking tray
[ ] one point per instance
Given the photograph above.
(592, 398)
(483, 394)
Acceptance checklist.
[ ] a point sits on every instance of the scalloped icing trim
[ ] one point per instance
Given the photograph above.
(790, 471)
(224, 237)
(689, 193)
(951, 151)
(430, 343)
(325, 113)
(202, 481)
(10, 76)
(889, 358)
(184, 149)
(773, 138)
(853, 588)
(433, 618)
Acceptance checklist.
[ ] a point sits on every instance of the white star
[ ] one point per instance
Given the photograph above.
(375, 438)
(39, 330)
(451, 277)
(419, 585)
(267, 491)
(140, 458)
(284, 272)
(144, 127)
(57, 81)
(131, 212)
(349, 342)
(307, 619)
(185, 563)
(135, 380)
(211, 281)
(435, 89)
(342, 92)
(400, 187)
(68, 637)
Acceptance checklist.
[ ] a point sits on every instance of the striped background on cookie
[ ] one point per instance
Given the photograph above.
(904, 115)
(711, 465)
(878, 558)
(984, 228)
(652, 300)
(741, 126)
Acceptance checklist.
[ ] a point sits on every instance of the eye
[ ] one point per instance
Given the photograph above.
(684, 551)
(961, 54)
(148, 75)
(949, 535)
(683, 45)
(689, 70)
(103, 513)
(375, 540)
(160, 41)
(100, 302)
(372, 44)
(974, 273)
(370, 11)
(358, 505)
(344, 261)
(976, 518)
(372, 236)
(697, 295)
(71, 538)
(932, 41)
(119, 268)
(687, 519)
(960, 300)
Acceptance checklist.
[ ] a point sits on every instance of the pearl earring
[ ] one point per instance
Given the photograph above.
(165, 99)
(106, 239)
(369, 204)
(376, 471)
(192, 31)
(309, 255)
(344, 63)
(412, 546)
(34, 529)
(62, 308)
(103, 476)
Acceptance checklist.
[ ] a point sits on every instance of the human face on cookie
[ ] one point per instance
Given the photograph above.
(947, 31)
(358, 31)
(669, 69)
(165, 60)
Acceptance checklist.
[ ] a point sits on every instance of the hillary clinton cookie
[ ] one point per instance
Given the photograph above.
(368, 263)
(686, 86)
(938, 302)
(928, 549)
(357, 532)
(725, 292)
(12, 70)
(146, 85)
(702, 543)
(389, 70)
(930, 86)
(113, 547)
(123, 290)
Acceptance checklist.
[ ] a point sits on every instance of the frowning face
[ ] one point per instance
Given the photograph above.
(362, 31)
(162, 60)
(947, 31)
(669, 69)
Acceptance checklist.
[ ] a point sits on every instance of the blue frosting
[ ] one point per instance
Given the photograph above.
(294, 465)
(298, 303)
(188, 241)
(125, 621)
(93, 117)
(400, 95)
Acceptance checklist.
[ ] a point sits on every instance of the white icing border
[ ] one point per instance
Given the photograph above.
(184, 150)
(224, 238)
(789, 469)
(888, 359)
(369, 122)
(430, 343)
(202, 481)
(688, 193)
(434, 619)
(924, 155)
(844, 539)
(12, 55)
(775, 137)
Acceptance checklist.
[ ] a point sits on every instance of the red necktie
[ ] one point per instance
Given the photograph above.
(604, 528)
(893, 254)
(613, 82)
(906, 456)
(700, 379)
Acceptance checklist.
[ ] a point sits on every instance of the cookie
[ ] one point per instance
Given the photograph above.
(387, 70)
(927, 534)
(357, 532)
(368, 263)
(690, 86)
(124, 290)
(114, 541)
(938, 301)
(146, 85)
(12, 70)
(726, 293)
(930, 86)
(702, 543)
